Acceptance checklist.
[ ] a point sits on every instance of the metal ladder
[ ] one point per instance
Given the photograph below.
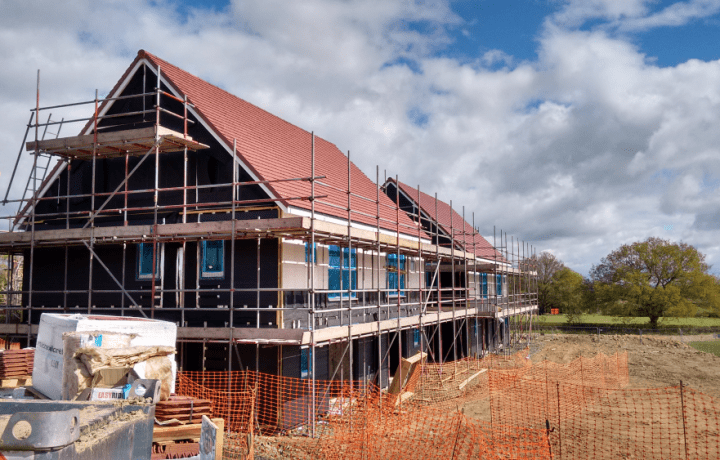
(39, 172)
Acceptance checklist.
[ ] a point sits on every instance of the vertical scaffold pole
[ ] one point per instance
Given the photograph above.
(92, 205)
(420, 270)
(32, 212)
(232, 250)
(397, 269)
(477, 280)
(155, 195)
(439, 283)
(452, 284)
(465, 296)
(67, 248)
(495, 307)
(350, 274)
(377, 275)
(311, 316)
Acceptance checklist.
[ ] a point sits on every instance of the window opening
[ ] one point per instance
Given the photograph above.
(145, 258)
(305, 363)
(342, 278)
(213, 259)
(396, 274)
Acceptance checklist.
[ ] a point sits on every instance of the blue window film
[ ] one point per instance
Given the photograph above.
(305, 363)
(416, 337)
(145, 258)
(484, 286)
(213, 259)
(342, 278)
(395, 274)
(499, 285)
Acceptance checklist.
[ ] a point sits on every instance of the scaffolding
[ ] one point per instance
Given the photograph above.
(371, 308)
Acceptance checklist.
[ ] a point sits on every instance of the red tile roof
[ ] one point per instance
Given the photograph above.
(452, 223)
(275, 149)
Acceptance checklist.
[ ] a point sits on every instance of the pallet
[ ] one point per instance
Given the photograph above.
(165, 435)
(16, 382)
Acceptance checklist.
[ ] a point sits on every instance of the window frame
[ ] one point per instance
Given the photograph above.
(305, 363)
(337, 271)
(400, 271)
(139, 273)
(205, 273)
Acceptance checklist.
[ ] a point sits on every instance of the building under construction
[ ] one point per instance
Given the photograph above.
(265, 244)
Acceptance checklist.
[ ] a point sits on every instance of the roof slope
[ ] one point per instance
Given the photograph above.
(452, 223)
(275, 149)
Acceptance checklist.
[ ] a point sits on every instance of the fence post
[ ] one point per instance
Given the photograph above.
(559, 420)
(682, 409)
(457, 436)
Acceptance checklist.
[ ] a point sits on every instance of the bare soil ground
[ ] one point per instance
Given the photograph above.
(653, 361)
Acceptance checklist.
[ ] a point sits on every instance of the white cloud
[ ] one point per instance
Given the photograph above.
(677, 14)
(587, 148)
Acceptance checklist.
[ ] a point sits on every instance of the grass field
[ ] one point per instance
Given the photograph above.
(707, 347)
(640, 321)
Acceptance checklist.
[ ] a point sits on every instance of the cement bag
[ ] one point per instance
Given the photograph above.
(75, 377)
(160, 368)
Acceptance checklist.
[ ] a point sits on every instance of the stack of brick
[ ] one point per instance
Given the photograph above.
(184, 409)
(16, 363)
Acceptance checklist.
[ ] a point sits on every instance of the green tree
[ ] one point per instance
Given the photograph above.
(566, 293)
(654, 278)
(546, 265)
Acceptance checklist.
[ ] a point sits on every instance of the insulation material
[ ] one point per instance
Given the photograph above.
(159, 368)
(95, 359)
(48, 364)
(75, 377)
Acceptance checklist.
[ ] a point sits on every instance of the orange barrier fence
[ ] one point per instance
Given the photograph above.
(428, 433)
(588, 422)
(579, 410)
(466, 379)
(354, 420)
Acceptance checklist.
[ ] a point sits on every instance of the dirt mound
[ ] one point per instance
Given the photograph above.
(654, 361)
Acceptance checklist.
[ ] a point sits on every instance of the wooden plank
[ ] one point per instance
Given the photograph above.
(17, 329)
(406, 369)
(181, 432)
(128, 136)
(16, 382)
(469, 379)
(243, 334)
(404, 397)
(196, 229)
(220, 438)
(88, 139)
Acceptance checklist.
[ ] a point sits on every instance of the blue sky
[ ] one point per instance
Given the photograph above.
(576, 125)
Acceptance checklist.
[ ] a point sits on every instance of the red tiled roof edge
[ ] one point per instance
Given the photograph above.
(482, 248)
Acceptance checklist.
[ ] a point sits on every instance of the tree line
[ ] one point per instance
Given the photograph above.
(654, 278)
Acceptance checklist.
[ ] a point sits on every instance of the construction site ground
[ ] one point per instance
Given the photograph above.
(653, 361)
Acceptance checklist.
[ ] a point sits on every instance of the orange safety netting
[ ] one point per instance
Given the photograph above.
(579, 410)
(354, 420)
(591, 415)
(465, 379)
